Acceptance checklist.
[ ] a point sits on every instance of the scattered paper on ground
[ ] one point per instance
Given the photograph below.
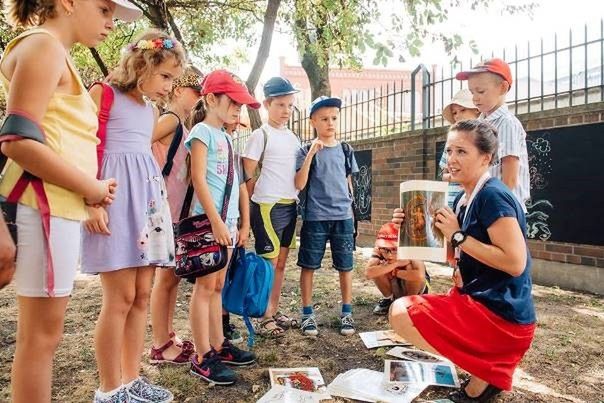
(370, 386)
(307, 381)
(411, 372)
(382, 338)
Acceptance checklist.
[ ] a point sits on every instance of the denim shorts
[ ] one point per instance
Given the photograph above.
(313, 239)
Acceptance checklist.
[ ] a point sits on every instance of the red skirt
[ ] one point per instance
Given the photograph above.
(470, 335)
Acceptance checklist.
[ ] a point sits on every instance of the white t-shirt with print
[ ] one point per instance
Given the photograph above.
(276, 179)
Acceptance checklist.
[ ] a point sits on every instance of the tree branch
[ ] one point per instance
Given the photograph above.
(99, 61)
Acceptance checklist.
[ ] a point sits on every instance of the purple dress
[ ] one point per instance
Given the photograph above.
(139, 217)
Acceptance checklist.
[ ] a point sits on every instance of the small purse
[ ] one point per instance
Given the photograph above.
(197, 252)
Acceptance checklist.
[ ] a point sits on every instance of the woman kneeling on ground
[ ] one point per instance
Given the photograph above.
(486, 322)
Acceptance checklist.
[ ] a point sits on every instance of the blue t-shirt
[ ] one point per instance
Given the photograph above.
(505, 295)
(327, 195)
(217, 142)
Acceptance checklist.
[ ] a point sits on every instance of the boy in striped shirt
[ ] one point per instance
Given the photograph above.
(489, 82)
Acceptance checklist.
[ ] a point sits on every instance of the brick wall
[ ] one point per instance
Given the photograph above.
(410, 155)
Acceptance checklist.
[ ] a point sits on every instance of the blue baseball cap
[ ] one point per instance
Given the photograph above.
(322, 102)
(278, 86)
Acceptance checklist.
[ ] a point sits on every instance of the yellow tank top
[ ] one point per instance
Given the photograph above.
(70, 125)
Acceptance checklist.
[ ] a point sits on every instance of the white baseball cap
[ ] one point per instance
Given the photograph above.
(126, 11)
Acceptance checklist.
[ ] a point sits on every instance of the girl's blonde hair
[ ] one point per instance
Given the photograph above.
(139, 59)
(29, 13)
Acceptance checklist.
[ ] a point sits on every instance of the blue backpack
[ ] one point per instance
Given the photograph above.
(247, 287)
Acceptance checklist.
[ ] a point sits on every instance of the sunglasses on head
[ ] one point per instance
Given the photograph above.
(386, 251)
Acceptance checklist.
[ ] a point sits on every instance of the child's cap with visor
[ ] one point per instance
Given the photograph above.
(225, 82)
(387, 236)
(190, 78)
(323, 102)
(126, 11)
(495, 66)
(277, 87)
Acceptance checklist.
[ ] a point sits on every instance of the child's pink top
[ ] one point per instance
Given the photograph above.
(176, 181)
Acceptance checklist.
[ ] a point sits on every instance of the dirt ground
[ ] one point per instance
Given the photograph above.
(566, 362)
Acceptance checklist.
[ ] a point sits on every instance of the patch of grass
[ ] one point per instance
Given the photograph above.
(270, 358)
(562, 336)
(381, 352)
(363, 300)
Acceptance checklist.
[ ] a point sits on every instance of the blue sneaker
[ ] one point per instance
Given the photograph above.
(212, 370)
(347, 326)
(231, 355)
(309, 325)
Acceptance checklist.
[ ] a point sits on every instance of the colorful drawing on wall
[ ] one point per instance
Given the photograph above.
(418, 236)
(540, 168)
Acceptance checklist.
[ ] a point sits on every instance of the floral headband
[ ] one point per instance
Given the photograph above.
(159, 43)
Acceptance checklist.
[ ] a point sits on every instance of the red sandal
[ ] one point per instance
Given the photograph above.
(156, 355)
(185, 345)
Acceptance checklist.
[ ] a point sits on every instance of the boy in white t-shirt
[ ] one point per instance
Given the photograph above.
(272, 148)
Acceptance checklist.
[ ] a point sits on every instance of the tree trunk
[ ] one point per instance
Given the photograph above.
(156, 11)
(270, 17)
(99, 61)
(175, 30)
(315, 65)
(318, 75)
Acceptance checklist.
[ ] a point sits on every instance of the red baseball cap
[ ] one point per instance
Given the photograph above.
(495, 66)
(387, 236)
(225, 82)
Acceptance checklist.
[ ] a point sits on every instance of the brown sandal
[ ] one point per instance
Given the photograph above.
(264, 329)
(284, 321)
(156, 355)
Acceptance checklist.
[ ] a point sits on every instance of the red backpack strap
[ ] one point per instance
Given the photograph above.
(17, 126)
(107, 97)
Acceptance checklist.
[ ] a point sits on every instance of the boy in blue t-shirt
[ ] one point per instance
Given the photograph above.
(324, 169)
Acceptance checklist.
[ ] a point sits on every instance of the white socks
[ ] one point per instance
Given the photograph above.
(107, 395)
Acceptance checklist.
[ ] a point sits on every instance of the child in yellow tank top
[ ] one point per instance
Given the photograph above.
(45, 92)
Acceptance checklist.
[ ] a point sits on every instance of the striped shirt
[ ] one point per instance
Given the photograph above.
(512, 142)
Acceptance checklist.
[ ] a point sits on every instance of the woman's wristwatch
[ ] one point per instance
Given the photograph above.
(458, 238)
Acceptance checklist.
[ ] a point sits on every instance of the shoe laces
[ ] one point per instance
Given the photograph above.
(205, 359)
(309, 322)
(347, 321)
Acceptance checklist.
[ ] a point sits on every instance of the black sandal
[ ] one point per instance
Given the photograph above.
(461, 396)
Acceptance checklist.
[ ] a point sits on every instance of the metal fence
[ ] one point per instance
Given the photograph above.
(555, 72)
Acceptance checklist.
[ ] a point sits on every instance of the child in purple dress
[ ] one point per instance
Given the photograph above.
(125, 241)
